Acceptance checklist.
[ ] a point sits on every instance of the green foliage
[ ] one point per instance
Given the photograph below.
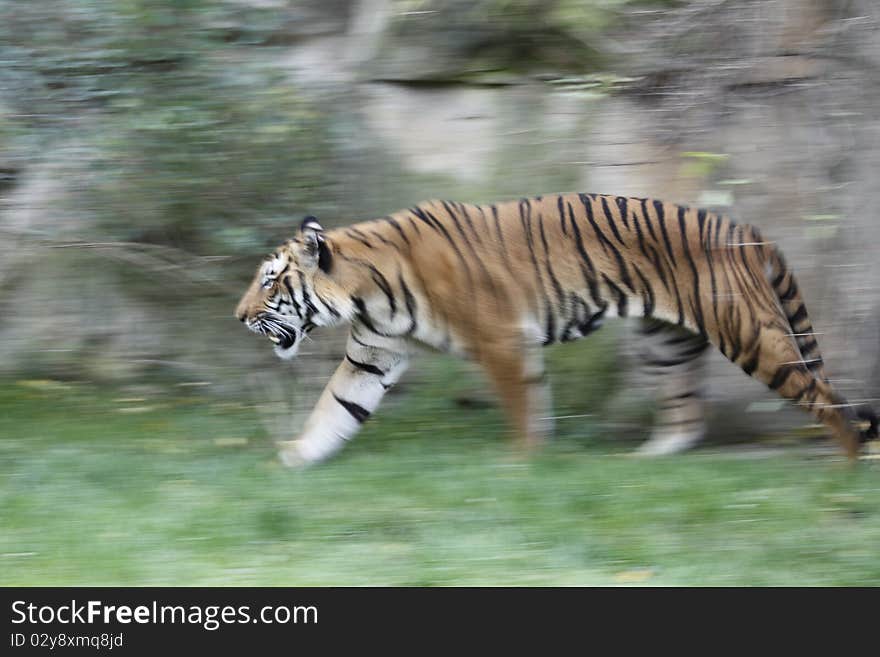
(187, 140)
(699, 164)
(451, 40)
(207, 158)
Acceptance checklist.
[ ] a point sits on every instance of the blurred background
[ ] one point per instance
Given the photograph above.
(151, 151)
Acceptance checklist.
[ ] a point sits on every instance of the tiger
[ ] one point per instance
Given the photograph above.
(495, 283)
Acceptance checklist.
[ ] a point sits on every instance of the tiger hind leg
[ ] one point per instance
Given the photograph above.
(675, 358)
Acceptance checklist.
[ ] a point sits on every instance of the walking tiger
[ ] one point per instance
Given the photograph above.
(495, 283)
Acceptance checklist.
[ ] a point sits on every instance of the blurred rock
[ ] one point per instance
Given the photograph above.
(488, 41)
(767, 110)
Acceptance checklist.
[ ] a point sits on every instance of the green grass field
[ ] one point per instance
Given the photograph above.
(185, 490)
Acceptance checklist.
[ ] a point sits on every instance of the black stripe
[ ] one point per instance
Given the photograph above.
(594, 322)
(807, 346)
(709, 263)
(589, 273)
(556, 286)
(782, 374)
(687, 254)
(639, 236)
(743, 238)
(327, 305)
(435, 223)
(550, 336)
(361, 342)
(701, 220)
(561, 207)
(621, 296)
(383, 284)
(494, 209)
(363, 315)
(525, 217)
(682, 338)
(779, 278)
(661, 218)
(752, 364)
(799, 314)
(427, 218)
(358, 236)
(588, 208)
(486, 230)
(624, 210)
(454, 217)
(610, 219)
(666, 362)
(575, 303)
(486, 275)
(694, 350)
(652, 327)
(410, 302)
(311, 309)
(384, 240)
(415, 226)
(648, 219)
(293, 301)
(655, 260)
(742, 283)
(470, 223)
(806, 390)
(718, 222)
(358, 412)
(649, 294)
(621, 264)
(396, 227)
(652, 256)
(366, 367)
(815, 364)
(736, 346)
(790, 292)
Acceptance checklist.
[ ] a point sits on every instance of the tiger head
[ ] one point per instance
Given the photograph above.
(292, 292)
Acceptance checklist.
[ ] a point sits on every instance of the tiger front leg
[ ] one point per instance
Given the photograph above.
(371, 366)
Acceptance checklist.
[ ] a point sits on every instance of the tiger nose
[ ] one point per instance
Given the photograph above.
(241, 313)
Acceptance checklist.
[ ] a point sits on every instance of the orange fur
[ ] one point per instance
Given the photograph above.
(494, 282)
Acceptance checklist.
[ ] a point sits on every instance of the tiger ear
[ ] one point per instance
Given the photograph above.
(314, 246)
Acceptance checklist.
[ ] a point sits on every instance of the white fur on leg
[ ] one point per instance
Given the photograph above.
(290, 455)
(352, 394)
(663, 443)
(539, 395)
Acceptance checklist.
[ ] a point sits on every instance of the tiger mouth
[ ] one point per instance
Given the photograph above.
(283, 341)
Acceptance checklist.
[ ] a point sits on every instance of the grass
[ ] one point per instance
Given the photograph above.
(185, 490)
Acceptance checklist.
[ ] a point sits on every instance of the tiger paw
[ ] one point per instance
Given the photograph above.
(291, 456)
(669, 443)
